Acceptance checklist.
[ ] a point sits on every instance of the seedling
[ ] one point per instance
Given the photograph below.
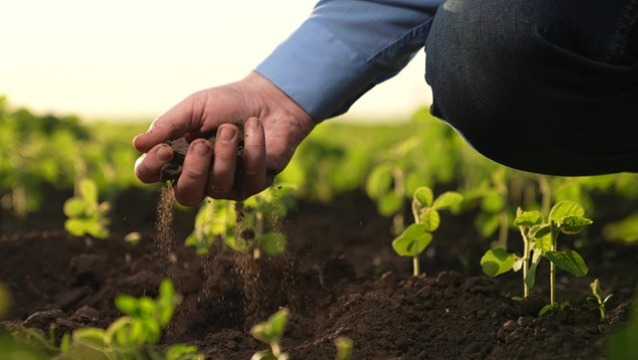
(242, 225)
(427, 219)
(85, 214)
(344, 348)
(540, 241)
(597, 298)
(271, 332)
(132, 336)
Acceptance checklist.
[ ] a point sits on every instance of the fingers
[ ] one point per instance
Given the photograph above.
(191, 185)
(149, 165)
(225, 162)
(173, 124)
(254, 158)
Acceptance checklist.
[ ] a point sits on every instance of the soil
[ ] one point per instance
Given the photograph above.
(339, 277)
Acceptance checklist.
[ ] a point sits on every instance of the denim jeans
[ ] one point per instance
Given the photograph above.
(547, 86)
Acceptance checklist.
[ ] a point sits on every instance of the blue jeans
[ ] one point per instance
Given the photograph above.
(547, 86)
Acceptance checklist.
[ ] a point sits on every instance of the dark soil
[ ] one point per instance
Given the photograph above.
(339, 277)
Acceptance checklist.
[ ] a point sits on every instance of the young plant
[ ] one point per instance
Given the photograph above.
(260, 218)
(540, 237)
(214, 220)
(242, 226)
(427, 219)
(597, 298)
(271, 332)
(85, 214)
(344, 348)
(132, 336)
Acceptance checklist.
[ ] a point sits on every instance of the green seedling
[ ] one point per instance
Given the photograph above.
(540, 237)
(214, 220)
(427, 219)
(597, 298)
(490, 198)
(87, 216)
(243, 226)
(344, 348)
(271, 332)
(132, 336)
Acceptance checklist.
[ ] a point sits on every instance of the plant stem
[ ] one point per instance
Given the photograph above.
(552, 274)
(398, 222)
(416, 266)
(526, 251)
(502, 234)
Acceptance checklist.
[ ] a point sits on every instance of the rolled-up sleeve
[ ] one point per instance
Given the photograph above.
(344, 49)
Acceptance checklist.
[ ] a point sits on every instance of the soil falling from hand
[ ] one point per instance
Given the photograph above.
(165, 240)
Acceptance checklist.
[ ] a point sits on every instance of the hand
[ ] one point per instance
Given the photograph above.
(273, 127)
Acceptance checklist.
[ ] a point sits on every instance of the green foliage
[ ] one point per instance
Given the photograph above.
(132, 336)
(252, 224)
(271, 332)
(622, 343)
(42, 152)
(214, 220)
(85, 214)
(425, 209)
(597, 299)
(624, 230)
(344, 348)
(540, 241)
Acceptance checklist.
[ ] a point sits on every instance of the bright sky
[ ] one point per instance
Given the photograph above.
(134, 59)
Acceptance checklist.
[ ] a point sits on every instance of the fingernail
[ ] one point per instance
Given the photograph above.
(164, 154)
(252, 123)
(201, 149)
(227, 133)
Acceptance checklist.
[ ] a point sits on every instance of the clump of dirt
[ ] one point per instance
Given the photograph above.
(172, 170)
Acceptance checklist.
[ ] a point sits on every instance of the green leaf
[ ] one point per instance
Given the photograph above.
(430, 218)
(127, 304)
(272, 330)
(413, 240)
(530, 279)
(447, 200)
(77, 227)
(379, 181)
(487, 223)
(563, 209)
(88, 189)
(625, 230)
(74, 207)
(540, 231)
(529, 218)
(273, 243)
(182, 352)
(423, 196)
(574, 224)
(493, 202)
(93, 338)
(569, 260)
(497, 261)
(389, 204)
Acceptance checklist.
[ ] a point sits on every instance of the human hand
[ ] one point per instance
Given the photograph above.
(273, 127)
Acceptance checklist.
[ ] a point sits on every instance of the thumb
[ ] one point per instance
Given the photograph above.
(173, 124)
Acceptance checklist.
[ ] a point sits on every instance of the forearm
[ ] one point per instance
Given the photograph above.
(344, 49)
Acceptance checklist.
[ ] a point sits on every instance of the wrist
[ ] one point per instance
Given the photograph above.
(276, 103)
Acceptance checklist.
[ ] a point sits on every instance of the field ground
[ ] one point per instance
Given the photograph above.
(340, 277)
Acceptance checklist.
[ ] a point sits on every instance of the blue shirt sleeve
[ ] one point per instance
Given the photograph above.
(345, 48)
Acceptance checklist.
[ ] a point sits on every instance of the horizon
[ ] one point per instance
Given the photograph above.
(118, 60)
